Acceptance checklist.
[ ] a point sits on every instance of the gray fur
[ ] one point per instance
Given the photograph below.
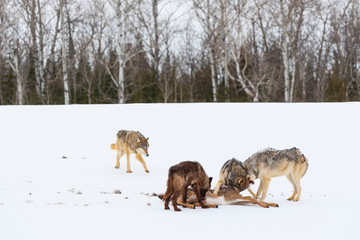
(272, 158)
(233, 169)
(133, 137)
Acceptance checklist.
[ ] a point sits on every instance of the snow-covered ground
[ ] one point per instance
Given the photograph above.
(57, 175)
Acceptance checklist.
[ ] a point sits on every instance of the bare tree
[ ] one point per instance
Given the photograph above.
(64, 53)
(206, 13)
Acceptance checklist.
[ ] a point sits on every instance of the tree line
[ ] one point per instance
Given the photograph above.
(160, 51)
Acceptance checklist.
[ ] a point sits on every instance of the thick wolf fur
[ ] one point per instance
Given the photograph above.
(273, 163)
(128, 142)
(180, 177)
(234, 174)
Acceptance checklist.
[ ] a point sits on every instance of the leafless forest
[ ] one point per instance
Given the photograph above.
(158, 51)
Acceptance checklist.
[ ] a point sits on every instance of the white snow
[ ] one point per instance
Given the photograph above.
(57, 175)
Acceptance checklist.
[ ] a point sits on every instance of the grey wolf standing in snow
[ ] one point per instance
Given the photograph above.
(128, 142)
(273, 163)
(183, 175)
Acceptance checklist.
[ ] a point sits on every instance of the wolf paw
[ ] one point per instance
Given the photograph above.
(290, 199)
(129, 171)
(147, 171)
(117, 166)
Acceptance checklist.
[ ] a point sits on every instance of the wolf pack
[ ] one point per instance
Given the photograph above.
(189, 186)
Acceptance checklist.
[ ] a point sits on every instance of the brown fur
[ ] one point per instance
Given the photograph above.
(130, 142)
(183, 175)
(226, 196)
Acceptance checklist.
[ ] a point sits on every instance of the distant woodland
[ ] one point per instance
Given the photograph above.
(175, 51)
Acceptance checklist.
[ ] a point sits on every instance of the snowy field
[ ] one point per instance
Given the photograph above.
(57, 175)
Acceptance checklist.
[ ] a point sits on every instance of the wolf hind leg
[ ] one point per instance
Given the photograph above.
(142, 161)
(294, 186)
(119, 154)
(168, 193)
(296, 179)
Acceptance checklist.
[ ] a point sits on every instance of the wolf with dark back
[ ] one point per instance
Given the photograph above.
(271, 163)
(128, 142)
(180, 177)
(233, 174)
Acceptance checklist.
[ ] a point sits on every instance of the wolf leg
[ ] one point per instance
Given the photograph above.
(186, 205)
(169, 192)
(260, 189)
(265, 189)
(174, 199)
(297, 178)
(142, 161)
(119, 154)
(184, 194)
(218, 186)
(128, 162)
(251, 192)
(294, 186)
(196, 188)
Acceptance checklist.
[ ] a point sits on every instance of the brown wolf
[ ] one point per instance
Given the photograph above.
(273, 163)
(128, 142)
(183, 175)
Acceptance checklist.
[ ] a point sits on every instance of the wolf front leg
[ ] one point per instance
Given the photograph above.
(266, 183)
(128, 162)
(196, 188)
(142, 161)
(260, 189)
(251, 192)
(218, 186)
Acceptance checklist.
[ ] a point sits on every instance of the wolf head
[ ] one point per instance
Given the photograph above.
(142, 146)
(243, 182)
(239, 175)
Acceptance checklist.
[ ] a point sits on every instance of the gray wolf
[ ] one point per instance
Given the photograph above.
(180, 177)
(271, 163)
(234, 174)
(128, 142)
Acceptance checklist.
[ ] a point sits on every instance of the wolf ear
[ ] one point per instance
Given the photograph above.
(240, 180)
(147, 139)
(210, 179)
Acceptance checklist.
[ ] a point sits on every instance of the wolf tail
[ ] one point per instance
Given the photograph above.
(112, 146)
(170, 187)
(306, 166)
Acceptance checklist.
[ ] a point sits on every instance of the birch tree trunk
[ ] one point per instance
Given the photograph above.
(38, 62)
(120, 52)
(19, 76)
(41, 54)
(285, 52)
(64, 55)
(155, 13)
